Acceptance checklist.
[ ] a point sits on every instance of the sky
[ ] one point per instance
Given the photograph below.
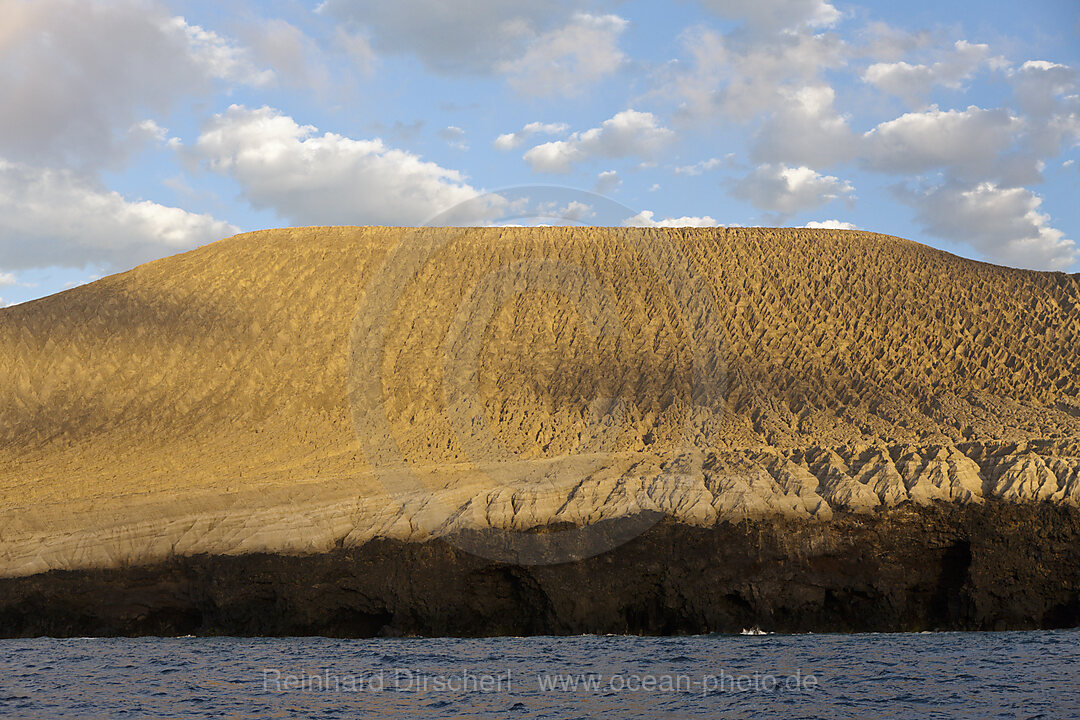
(135, 129)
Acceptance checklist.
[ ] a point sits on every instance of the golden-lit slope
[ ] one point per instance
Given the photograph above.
(837, 368)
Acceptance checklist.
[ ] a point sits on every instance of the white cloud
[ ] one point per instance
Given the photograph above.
(325, 179)
(566, 60)
(903, 79)
(966, 142)
(479, 37)
(76, 74)
(704, 166)
(56, 217)
(606, 182)
(524, 211)
(454, 137)
(628, 133)
(786, 190)
(357, 48)
(1040, 87)
(1003, 224)
(977, 144)
(574, 211)
(742, 77)
(831, 225)
(883, 42)
(547, 128)
(914, 82)
(217, 55)
(773, 15)
(1042, 65)
(1049, 94)
(7, 279)
(149, 130)
(646, 218)
(806, 130)
(509, 141)
(295, 58)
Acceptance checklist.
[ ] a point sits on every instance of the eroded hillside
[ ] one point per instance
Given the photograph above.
(299, 389)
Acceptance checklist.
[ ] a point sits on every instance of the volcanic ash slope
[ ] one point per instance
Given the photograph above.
(298, 390)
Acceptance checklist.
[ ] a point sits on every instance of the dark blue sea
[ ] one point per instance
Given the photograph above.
(938, 675)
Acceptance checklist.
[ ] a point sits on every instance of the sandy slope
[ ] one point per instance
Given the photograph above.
(300, 389)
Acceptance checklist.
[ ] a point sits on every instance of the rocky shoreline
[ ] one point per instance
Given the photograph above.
(943, 566)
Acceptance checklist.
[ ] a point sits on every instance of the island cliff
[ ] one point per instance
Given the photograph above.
(360, 431)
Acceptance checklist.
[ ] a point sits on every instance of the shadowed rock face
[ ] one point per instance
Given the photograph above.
(318, 391)
(945, 567)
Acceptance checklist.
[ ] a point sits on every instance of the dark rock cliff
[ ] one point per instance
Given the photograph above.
(941, 567)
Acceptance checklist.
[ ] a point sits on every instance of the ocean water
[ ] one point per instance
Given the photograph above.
(939, 675)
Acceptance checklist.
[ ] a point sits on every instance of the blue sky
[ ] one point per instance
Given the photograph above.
(132, 130)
